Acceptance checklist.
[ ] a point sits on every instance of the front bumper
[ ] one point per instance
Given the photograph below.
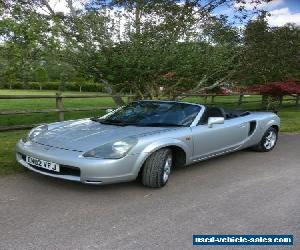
(75, 167)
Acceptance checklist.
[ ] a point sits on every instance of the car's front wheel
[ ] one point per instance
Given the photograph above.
(157, 168)
(268, 141)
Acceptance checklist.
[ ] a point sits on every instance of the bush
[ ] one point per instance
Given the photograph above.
(273, 92)
(276, 89)
(15, 85)
(33, 85)
(51, 85)
(70, 86)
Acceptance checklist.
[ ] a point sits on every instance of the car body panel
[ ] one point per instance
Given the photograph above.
(97, 170)
(65, 142)
(219, 137)
(83, 135)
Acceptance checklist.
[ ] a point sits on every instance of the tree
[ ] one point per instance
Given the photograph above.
(163, 38)
(138, 57)
(269, 54)
(147, 47)
(25, 36)
(274, 92)
(41, 76)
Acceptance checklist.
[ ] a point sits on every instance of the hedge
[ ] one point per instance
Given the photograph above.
(85, 87)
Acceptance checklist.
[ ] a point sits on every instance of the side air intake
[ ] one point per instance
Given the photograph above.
(252, 127)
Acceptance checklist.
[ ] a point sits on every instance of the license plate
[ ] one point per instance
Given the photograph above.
(42, 164)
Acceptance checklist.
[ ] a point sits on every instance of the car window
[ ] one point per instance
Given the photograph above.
(151, 112)
(210, 112)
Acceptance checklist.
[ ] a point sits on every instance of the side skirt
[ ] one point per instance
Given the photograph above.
(223, 152)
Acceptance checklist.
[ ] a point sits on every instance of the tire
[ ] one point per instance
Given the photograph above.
(157, 168)
(268, 141)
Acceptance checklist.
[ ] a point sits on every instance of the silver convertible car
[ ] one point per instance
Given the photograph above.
(144, 139)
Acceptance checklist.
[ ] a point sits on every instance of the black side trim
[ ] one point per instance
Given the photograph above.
(252, 127)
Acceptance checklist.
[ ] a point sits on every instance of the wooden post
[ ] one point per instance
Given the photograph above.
(263, 101)
(240, 100)
(280, 101)
(212, 99)
(60, 106)
(297, 100)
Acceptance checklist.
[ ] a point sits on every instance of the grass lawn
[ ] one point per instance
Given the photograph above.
(37, 104)
(290, 117)
(8, 164)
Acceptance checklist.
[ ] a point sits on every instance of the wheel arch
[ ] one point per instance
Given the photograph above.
(274, 122)
(275, 127)
(180, 153)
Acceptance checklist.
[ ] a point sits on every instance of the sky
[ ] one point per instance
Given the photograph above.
(285, 11)
(281, 11)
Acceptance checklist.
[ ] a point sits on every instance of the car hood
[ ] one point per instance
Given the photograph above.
(83, 135)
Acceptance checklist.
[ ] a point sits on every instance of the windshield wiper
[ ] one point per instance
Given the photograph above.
(122, 123)
(110, 122)
(160, 124)
(95, 119)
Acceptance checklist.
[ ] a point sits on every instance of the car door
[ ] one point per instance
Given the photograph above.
(219, 138)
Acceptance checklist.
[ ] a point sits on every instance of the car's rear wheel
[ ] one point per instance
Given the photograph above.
(157, 168)
(268, 141)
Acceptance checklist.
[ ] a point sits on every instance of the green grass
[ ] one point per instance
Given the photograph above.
(290, 117)
(8, 164)
(8, 140)
(37, 104)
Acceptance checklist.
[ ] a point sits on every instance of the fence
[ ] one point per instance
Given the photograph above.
(240, 100)
(59, 109)
(209, 99)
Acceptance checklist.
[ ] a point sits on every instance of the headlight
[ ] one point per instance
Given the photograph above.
(113, 150)
(34, 132)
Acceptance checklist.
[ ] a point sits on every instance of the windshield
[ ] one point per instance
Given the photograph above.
(152, 113)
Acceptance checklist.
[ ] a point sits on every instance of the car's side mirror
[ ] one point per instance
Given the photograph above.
(215, 120)
(109, 110)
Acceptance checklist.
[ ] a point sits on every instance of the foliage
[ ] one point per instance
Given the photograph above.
(276, 89)
(149, 48)
(274, 92)
(68, 86)
(269, 54)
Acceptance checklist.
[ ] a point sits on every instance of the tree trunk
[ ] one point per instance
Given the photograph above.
(109, 90)
(264, 101)
(71, 7)
(137, 20)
